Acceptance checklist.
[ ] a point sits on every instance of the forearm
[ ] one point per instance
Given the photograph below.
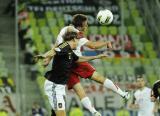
(98, 44)
(51, 52)
(87, 58)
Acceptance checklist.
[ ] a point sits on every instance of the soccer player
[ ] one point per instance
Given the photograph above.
(56, 79)
(142, 101)
(84, 70)
(155, 94)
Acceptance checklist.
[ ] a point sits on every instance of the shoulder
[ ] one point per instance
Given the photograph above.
(63, 30)
(63, 45)
(148, 89)
(71, 27)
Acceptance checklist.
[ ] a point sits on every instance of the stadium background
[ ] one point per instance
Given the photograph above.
(135, 33)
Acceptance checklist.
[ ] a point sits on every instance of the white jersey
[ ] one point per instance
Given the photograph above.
(81, 42)
(143, 100)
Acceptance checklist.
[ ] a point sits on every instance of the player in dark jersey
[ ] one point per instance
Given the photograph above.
(155, 95)
(56, 79)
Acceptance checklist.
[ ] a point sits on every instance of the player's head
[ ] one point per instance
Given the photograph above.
(155, 94)
(140, 81)
(72, 38)
(80, 22)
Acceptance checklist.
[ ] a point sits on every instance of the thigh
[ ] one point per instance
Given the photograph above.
(84, 70)
(60, 113)
(98, 78)
(56, 95)
(73, 80)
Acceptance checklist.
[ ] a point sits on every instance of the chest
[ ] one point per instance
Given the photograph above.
(142, 96)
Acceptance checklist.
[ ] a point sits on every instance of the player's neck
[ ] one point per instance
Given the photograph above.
(142, 88)
(79, 28)
(71, 43)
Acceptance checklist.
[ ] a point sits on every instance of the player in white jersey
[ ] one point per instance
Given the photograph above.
(142, 101)
(84, 70)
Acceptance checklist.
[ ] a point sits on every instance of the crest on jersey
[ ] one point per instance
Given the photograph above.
(59, 105)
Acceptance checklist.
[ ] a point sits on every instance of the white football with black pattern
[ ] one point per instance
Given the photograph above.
(105, 17)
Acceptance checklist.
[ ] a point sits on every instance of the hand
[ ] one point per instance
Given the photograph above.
(46, 61)
(109, 45)
(102, 55)
(153, 99)
(38, 57)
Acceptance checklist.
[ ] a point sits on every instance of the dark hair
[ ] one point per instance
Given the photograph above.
(10, 105)
(78, 19)
(69, 36)
(156, 86)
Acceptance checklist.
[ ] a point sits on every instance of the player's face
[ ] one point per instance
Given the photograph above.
(140, 82)
(84, 26)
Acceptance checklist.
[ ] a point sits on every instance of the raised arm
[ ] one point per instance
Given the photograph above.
(50, 53)
(98, 44)
(88, 58)
(47, 57)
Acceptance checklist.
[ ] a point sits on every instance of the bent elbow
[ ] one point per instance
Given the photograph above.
(93, 47)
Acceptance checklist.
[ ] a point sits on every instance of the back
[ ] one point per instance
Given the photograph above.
(62, 64)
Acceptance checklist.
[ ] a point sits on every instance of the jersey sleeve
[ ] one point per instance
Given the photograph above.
(82, 41)
(60, 36)
(59, 39)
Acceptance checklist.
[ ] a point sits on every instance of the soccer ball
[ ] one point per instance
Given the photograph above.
(105, 17)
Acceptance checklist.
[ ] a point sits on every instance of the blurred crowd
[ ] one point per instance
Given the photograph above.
(25, 36)
(7, 108)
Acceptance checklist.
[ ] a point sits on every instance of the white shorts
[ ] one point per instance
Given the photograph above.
(56, 94)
